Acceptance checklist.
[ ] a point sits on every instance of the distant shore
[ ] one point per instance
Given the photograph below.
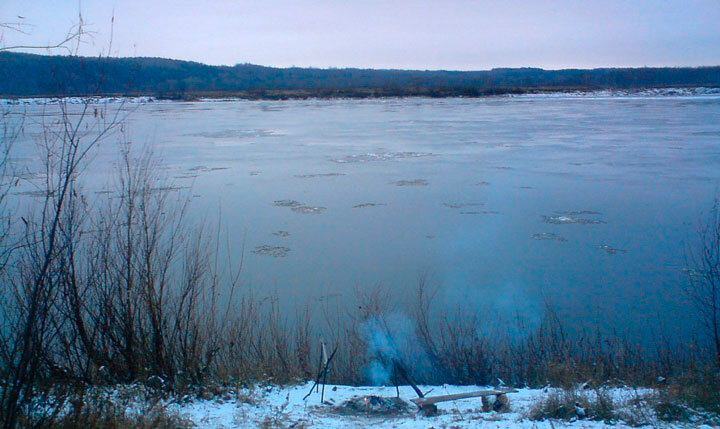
(198, 96)
(28, 75)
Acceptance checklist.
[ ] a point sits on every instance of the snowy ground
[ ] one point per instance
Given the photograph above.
(284, 407)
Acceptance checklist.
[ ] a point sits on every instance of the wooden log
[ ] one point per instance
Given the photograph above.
(486, 404)
(400, 368)
(501, 404)
(431, 400)
(321, 374)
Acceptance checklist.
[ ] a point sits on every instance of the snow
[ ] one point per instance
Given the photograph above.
(75, 100)
(626, 93)
(605, 93)
(273, 406)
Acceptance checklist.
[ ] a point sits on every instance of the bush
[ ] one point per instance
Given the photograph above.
(110, 416)
(691, 397)
(135, 406)
(575, 404)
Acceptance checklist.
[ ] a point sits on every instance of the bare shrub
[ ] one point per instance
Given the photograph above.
(575, 404)
(121, 408)
(704, 278)
(699, 391)
(33, 286)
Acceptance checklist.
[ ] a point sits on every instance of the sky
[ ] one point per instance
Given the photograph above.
(407, 34)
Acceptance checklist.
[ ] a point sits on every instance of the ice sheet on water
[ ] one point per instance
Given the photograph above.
(287, 203)
(548, 236)
(363, 205)
(379, 156)
(169, 188)
(308, 209)
(579, 212)
(235, 134)
(274, 251)
(611, 250)
(416, 182)
(312, 176)
(34, 193)
(299, 207)
(569, 218)
(462, 205)
(483, 212)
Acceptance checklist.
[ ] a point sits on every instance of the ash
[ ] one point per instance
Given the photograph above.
(374, 405)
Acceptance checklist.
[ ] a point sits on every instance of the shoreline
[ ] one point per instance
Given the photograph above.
(577, 93)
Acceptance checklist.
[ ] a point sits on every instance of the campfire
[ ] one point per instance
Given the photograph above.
(374, 405)
(491, 399)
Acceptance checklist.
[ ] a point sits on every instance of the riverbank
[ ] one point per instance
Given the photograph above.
(367, 93)
(291, 406)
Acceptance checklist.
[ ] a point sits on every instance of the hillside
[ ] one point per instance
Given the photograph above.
(27, 75)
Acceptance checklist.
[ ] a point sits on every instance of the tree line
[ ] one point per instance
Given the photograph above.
(67, 75)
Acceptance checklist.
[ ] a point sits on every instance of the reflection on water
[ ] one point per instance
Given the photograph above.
(497, 200)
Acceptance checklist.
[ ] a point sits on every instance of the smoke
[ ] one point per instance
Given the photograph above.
(388, 337)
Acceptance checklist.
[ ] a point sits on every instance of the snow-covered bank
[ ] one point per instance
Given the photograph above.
(625, 93)
(584, 94)
(73, 100)
(273, 406)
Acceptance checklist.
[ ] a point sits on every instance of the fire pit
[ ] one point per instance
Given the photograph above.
(374, 405)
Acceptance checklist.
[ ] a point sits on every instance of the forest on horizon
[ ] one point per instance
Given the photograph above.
(30, 75)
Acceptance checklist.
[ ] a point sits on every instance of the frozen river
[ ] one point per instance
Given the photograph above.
(505, 203)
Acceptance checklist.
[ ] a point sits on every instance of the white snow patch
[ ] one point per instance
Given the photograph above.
(75, 100)
(274, 406)
(626, 93)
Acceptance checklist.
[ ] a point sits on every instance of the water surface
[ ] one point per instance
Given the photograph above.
(588, 203)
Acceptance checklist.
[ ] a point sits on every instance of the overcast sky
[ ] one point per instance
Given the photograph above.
(419, 34)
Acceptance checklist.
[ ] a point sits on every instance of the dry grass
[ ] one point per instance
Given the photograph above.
(112, 416)
(118, 407)
(575, 404)
(691, 397)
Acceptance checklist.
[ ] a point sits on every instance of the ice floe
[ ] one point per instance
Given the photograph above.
(312, 176)
(548, 236)
(611, 250)
(379, 156)
(416, 182)
(287, 203)
(236, 134)
(268, 250)
(363, 205)
(570, 220)
(462, 205)
(308, 209)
